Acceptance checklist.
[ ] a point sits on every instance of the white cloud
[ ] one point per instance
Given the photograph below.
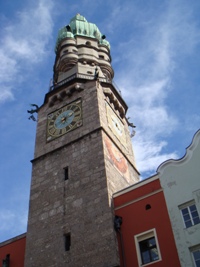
(23, 41)
(8, 66)
(149, 65)
(149, 155)
(6, 217)
(12, 223)
(29, 36)
(6, 93)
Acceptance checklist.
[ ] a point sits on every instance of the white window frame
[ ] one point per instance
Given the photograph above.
(192, 250)
(187, 205)
(142, 236)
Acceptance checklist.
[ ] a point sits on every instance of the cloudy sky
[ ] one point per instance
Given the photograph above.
(155, 48)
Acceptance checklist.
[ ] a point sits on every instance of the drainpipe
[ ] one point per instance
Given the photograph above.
(117, 226)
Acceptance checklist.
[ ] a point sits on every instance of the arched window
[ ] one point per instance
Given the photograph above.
(148, 207)
(88, 43)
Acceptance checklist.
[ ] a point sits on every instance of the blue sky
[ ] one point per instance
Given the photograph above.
(155, 48)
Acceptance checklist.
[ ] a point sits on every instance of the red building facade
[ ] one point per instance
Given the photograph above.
(145, 235)
(12, 252)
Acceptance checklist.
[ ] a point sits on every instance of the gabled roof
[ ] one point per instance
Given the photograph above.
(189, 152)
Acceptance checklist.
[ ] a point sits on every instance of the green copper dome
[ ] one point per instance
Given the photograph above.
(79, 26)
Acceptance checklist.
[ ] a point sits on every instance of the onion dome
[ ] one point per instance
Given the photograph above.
(79, 26)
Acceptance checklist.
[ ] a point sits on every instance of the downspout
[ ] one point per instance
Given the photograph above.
(117, 226)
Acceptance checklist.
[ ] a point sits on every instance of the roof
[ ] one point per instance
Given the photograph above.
(79, 26)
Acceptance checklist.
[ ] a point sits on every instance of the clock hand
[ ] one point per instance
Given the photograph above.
(70, 114)
(63, 119)
(60, 122)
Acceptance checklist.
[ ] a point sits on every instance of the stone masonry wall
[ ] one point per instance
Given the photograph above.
(80, 205)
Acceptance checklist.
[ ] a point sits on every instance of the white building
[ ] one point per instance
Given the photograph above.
(180, 180)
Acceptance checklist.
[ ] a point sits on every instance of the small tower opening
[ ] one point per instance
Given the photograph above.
(66, 173)
(67, 240)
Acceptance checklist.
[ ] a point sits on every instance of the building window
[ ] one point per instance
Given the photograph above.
(148, 207)
(190, 215)
(148, 250)
(67, 239)
(196, 255)
(6, 261)
(147, 247)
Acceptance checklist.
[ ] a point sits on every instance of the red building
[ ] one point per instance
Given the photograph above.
(12, 252)
(144, 230)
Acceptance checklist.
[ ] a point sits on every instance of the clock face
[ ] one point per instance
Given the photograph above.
(64, 120)
(115, 124)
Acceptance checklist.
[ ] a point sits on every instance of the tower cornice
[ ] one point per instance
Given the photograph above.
(75, 83)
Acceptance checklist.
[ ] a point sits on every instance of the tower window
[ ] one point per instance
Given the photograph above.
(66, 170)
(67, 240)
(100, 56)
(88, 43)
(89, 72)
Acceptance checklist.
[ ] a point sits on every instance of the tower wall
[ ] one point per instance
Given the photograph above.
(79, 206)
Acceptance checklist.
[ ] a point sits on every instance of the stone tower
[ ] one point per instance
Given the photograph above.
(83, 154)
